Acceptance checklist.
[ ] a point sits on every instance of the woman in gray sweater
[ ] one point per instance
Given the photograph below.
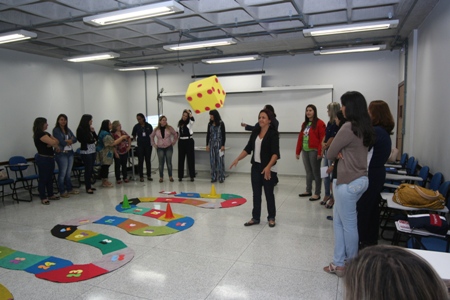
(350, 146)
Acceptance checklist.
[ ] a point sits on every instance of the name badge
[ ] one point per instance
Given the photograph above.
(143, 133)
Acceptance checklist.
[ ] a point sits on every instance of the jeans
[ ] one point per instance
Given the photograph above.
(312, 167)
(65, 163)
(327, 180)
(144, 152)
(46, 167)
(258, 182)
(89, 161)
(345, 220)
(165, 154)
(121, 163)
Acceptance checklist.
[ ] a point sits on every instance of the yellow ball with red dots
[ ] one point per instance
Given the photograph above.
(205, 94)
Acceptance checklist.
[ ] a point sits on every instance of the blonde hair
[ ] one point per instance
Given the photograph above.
(114, 125)
(159, 122)
(333, 108)
(387, 272)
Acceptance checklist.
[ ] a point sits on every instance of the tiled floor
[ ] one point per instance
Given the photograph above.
(217, 258)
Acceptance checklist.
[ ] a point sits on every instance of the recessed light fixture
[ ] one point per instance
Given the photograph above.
(137, 68)
(136, 13)
(351, 50)
(349, 28)
(91, 57)
(202, 44)
(223, 60)
(15, 36)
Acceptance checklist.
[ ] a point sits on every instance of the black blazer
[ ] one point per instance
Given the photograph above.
(270, 145)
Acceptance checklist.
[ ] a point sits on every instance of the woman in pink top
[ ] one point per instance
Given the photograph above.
(166, 137)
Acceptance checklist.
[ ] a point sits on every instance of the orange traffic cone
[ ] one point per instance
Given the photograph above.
(169, 213)
(125, 203)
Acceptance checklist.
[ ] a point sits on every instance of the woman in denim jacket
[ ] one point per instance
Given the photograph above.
(64, 155)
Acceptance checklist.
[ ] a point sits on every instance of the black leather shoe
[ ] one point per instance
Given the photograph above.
(314, 199)
(305, 195)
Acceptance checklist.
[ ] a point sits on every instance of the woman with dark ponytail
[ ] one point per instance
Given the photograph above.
(351, 146)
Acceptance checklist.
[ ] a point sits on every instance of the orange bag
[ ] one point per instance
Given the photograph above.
(416, 196)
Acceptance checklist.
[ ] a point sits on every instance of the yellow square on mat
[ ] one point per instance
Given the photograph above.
(147, 199)
(175, 216)
(79, 235)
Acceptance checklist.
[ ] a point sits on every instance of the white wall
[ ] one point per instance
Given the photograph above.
(35, 86)
(57, 86)
(428, 121)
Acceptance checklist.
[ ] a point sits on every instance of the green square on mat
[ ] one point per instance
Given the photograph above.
(20, 260)
(105, 243)
(137, 210)
(4, 251)
(154, 231)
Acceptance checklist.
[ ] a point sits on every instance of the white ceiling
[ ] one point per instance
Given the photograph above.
(265, 27)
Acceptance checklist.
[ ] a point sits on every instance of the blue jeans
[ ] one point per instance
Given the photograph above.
(345, 219)
(165, 154)
(65, 163)
(46, 167)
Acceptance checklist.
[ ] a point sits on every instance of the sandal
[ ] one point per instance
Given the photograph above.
(142, 179)
(271, 223)
(90, 191)
(305, 195)
(330, 203)
(126, 180)
(251, 222)
(45, 202)
(171, 179)
(333, 269)
(53, 198)
(325, 199)
(161, 180)
(119, 181)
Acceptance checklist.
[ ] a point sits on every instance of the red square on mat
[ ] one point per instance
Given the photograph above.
(73, 273)
(170, 200)
(155, 213)
(233, 202)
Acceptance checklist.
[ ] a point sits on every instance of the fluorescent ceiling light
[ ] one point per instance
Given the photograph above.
(349, 28)
(137, 68)
(90, 57)
(136, 13)
(14, 36)
(202, 44)
(350, 50)
(222, 60)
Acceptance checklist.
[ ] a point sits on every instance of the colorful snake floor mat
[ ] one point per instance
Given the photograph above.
(115, 253)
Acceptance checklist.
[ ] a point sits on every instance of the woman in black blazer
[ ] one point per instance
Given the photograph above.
(264, 142)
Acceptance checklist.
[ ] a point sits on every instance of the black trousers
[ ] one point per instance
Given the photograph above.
(119, 163)
(144, 152)
(186, 149)
(258, 182)
(368, 207)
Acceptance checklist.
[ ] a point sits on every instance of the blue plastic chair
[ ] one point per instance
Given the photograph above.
(19, 165)
(4, 183)
(435, 181)
(403, 159)
(423, 173)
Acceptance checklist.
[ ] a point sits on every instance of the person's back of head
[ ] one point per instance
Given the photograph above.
(388, 272)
